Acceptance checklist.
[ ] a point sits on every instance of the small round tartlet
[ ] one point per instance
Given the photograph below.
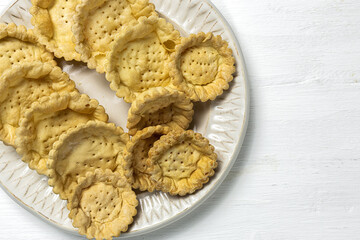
(47, 119)
(160, 106)
(85, 148)
(20, 45)
(181, 162)
(97, 24)
(52, 21)
(202, 66)
(140, 57)
(137, 152)
(24, 84)
(103, 205)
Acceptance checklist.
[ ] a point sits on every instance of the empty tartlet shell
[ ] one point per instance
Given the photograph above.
(221, 82)
(143, 7)
(58, 81)
(135, 31)
(204, 166)
(118, 223)
(123, 167)
(27, 36)
(80, 103)
(43, 24)
(141, 174)
(150, 100)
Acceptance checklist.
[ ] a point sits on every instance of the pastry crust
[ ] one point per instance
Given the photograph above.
(47, 119)
(97, 23)
(202, 66)
(137, 152)
(24, 84)
(160, 106)
(139, 57)
(94, 145)
(103, 205)
(53, 20)
(65, 135)
(19, 45)
(181, 162)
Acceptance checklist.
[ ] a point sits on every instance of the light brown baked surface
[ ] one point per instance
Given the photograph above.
(20, 45)
(47, 119)
(53, 21)
(137, 152)
(139, 57)
(181, 162)
(65, 135)
(98, 22)
(103, 205)
(90, 146)
(160, 106)
(24, 84)
(202, 66)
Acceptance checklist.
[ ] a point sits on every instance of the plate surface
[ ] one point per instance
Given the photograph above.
(222, 121)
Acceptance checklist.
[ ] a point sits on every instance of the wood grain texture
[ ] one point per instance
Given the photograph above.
(297, 174)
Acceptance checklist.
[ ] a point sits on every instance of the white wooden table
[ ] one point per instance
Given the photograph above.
(298, 174)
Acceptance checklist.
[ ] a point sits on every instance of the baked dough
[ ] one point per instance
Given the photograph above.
(202, 66)
(53, 21)
(19, 45)
(24, 84)
(97, 23)
(103, 205)
(137, 152)
(160, 106)
(181, 162)
(94, 145)
(47, 119)
(139, 58)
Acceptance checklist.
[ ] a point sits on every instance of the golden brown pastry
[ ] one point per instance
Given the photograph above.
(202, 66)
(181, 162)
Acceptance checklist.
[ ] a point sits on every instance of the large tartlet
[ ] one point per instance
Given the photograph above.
(24, 84)
(53, 21)
(20, 45)
(139, 57)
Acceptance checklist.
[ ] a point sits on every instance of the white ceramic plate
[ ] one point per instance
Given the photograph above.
(223, 121)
